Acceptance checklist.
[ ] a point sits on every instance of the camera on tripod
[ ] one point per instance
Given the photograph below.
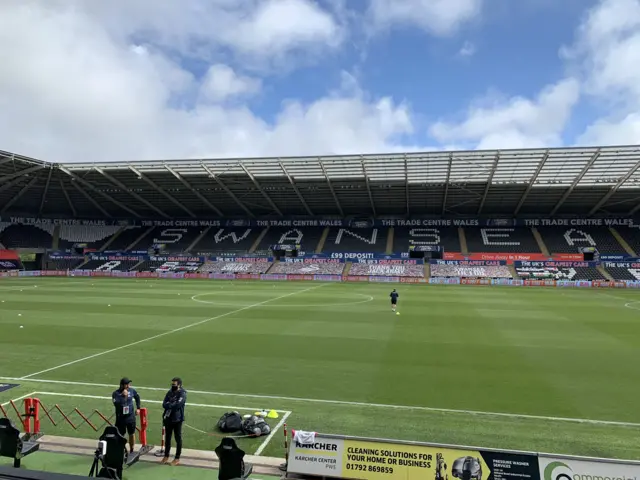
(110, 456)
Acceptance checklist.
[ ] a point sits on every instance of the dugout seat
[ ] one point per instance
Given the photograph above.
(14, 446)
(232, 466)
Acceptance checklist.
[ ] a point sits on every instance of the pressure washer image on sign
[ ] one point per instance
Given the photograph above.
(467, 468)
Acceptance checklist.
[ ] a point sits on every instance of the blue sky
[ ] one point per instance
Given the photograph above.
(153, 79)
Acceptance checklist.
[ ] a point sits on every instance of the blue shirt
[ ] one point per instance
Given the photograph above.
(124, 404)
(394, 296)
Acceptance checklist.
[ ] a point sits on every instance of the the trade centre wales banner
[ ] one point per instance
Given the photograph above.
(366, 459)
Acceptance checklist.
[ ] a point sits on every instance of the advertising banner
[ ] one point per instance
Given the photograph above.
(378, 460)
(313, 260)
(506, 257)
(469, 263)
(357, 256)
(559, 468)
(557, 264)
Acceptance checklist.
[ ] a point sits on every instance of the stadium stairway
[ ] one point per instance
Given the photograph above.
(135, 267)
(112, 239)
(622, 242)
(427, 270)
(255, 245)
(197, 240)
(541, 245)
(347, 268)
(139, 239)
(512, 269)
(275, 262)
(390, 241)
(322, 240)
(55, 240)
(604, 273)
(463, 241)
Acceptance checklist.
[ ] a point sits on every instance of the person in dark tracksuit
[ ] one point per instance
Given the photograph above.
(173, 418)
(123, 399)
(394, 299)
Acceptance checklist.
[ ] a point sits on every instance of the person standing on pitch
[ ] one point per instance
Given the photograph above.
(173, 418)
(125, 413)
(394, 300)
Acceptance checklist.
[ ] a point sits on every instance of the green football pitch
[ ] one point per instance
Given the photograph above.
(536, 369)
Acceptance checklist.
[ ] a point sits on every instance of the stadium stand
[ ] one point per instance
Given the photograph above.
(236, 267)
(631, 235)
(307, 237)
(17, 235)
(8, 265)
(376, 270)
(508, 240)
(63, 263)
(357, 240)
(447, 237)
(109, 265)
(307, 268)
(126, 238)
(93, 235)
(570, 240)
(174, 240)
(559, 273)
(165, 266)
(621, 273)
(228, 240)
(459, 271)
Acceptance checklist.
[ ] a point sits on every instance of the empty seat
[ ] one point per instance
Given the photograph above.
(14, 446)
(501, 240)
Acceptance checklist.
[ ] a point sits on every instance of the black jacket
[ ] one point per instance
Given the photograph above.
(173, 405)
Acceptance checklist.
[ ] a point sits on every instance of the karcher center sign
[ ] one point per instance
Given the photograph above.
(555, 468)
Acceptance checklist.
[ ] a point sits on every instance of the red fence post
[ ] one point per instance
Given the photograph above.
(26, 421)
(36, 415)
(144, 423)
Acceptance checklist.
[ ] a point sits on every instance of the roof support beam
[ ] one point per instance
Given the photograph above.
(366, 181)
(295, 189)
(406, 183)
(264, 194)
(228, 191)
(614, 189)
(90, 198)
(102, 194)
(46, 190)
(531, 182)
(66, 195)
(161, 191)
(19, 194)
(193, 190)
(333, 193)
(575, 182)
(446, 184)
(11, 184)
(20, 173)
(7, 159)
(489, 180)
(124, 188)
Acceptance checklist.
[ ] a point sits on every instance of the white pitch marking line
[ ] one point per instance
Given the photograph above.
(19, 398)
(176, 330)
(266, 441)
(159, 402)
(359, 404)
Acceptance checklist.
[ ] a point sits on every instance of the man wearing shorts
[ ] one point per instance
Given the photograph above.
(125, 412)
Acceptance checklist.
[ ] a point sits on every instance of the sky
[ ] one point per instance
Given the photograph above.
(165, 79)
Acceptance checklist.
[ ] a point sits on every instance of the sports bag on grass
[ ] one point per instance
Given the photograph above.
(255, 426)
(230, 422)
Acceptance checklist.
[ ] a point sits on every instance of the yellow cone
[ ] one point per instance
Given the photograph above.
(272, 414)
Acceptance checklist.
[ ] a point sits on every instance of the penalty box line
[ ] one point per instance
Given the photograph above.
(285, 413)
(169, 332)
(347, 403)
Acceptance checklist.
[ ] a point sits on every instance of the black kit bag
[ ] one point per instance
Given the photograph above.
(255, 426)
(230, 422)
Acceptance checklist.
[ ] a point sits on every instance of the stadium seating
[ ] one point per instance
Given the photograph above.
(236, 267)
(559, 273)
(126, 238)
(307, 237)
(447, 237)
(109, 265)
(8, 265)
(163, 266)
(308, 268)
(230, 240)
(377, 270)
(63, 264)
(93, 235)
(620, 273)
(631, 235)
(17, 235)
(498, 240)
(174, 239)
(460, 271)
(570, 240)
(357, 240)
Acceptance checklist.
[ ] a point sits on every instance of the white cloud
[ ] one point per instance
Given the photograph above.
(467, 50)
(438, 17)
(515, 122)
(222, 82)
(84, 87)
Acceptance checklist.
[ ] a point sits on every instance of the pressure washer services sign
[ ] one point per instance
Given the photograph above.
(374, 460)
(552, 468)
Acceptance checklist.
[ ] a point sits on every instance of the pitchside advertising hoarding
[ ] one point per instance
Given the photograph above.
(357, 458)
(568, 468)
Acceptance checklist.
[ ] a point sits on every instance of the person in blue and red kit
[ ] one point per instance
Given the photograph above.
(173, 418)
(123, 399)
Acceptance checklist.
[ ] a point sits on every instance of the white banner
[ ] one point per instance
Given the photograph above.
(322, 458)
(558, 468)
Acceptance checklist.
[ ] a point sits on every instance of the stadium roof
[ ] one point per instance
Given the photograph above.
(593, 181)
